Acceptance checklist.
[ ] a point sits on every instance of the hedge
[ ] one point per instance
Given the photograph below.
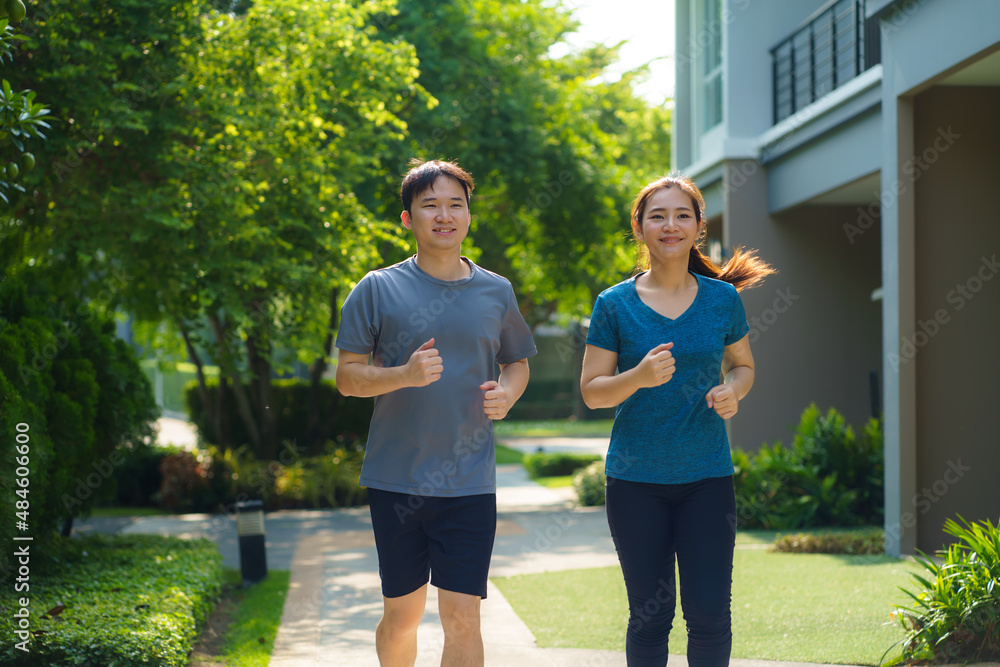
(75, 393)
(344, 418)
(132, 600)
(557, 464)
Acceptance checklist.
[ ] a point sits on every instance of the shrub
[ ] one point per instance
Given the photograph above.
(956, 611)
(345, 418)
(856, 542)
(212, 480)
(184, 482)
(79, 390)
(828, 477)
(137, 477)
(590, 484)
(555, 464)
(129, 600)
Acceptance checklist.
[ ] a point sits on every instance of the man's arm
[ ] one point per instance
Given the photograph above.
(500, 396)
(356, 377)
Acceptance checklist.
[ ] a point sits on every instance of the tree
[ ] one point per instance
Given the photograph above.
(287, 107)
(21, 120)
(556, 153)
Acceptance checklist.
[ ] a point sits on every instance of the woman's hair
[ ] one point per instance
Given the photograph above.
(743, 270)
(422, 176)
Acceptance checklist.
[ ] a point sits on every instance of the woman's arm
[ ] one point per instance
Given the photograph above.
(601, 388)
(738, 370)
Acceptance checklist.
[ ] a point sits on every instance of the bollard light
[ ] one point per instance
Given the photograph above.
(250, 528)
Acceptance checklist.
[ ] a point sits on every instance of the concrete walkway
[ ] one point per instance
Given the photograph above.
(334, 601)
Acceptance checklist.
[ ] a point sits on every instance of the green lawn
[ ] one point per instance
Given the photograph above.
(789, 607)
(250, 638)
(600, 428)
(507, 454)
(118, 512)
(245, 623)
(557, 482)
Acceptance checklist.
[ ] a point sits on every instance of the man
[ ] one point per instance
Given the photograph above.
(433, 326)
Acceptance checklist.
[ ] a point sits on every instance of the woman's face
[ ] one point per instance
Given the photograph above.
(668, 226)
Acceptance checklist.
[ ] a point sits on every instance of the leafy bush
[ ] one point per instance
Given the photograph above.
(856, 542)
(184, 481)
(78, 389)
(213, 479)
(138, 476)
(828, 477)
(956, 611)
(345, 418)
(128, 600)
(590, 484)
(555, 464)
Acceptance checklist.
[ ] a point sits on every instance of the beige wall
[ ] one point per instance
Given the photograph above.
(815, 333)
(956, 353)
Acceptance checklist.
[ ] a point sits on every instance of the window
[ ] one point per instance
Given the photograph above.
(708, 41)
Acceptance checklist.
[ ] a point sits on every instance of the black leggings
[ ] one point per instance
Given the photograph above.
(650, 523)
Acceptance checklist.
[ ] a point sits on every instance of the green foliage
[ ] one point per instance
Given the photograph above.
(557, 155)
(80, 395)
(345, 418)
(138, 476)
(855, 542)
(21, 119)
(955, 613)
(827, 477)
(129, 600)
(590, 485)
(554, 464)
(212, 480)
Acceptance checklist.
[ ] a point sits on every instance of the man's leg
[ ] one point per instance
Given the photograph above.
(463, 640)
(396, 635)
(461, 544)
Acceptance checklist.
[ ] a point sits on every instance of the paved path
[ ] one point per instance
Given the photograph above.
(334, 600)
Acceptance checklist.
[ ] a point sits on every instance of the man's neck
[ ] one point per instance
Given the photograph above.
(451, 267)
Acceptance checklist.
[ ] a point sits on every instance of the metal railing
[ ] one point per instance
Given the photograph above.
(833, 46)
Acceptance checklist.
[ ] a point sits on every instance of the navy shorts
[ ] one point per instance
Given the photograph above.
(448, 540)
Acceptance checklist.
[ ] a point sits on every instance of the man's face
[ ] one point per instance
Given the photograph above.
(439, 216)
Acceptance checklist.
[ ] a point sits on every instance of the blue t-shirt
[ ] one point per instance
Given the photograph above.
(434, 440)
(668, 434)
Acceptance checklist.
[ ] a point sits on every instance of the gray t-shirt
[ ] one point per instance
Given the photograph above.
(434, 440)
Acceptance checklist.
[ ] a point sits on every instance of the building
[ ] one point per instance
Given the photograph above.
(855, 144)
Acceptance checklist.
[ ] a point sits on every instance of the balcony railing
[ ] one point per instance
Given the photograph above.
(832, 47)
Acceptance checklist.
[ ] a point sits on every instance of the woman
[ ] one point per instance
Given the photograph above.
(676, 334)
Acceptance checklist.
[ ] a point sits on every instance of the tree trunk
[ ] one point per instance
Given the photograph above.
(258, 355)
(211, 414)
(318, 428)
(229, 369)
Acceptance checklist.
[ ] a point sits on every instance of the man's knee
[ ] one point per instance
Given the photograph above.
(402, 615)
(460, 614)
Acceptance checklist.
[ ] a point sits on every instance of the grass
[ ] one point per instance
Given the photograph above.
(789, 607)
(242, 630)
(119, 512)
(599, 428)
(557, 482)
(507, 454)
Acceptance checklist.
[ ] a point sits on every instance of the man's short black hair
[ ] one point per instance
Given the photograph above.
(422, 176)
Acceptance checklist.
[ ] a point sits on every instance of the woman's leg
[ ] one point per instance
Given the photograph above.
(640, 522)
(704, 537)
